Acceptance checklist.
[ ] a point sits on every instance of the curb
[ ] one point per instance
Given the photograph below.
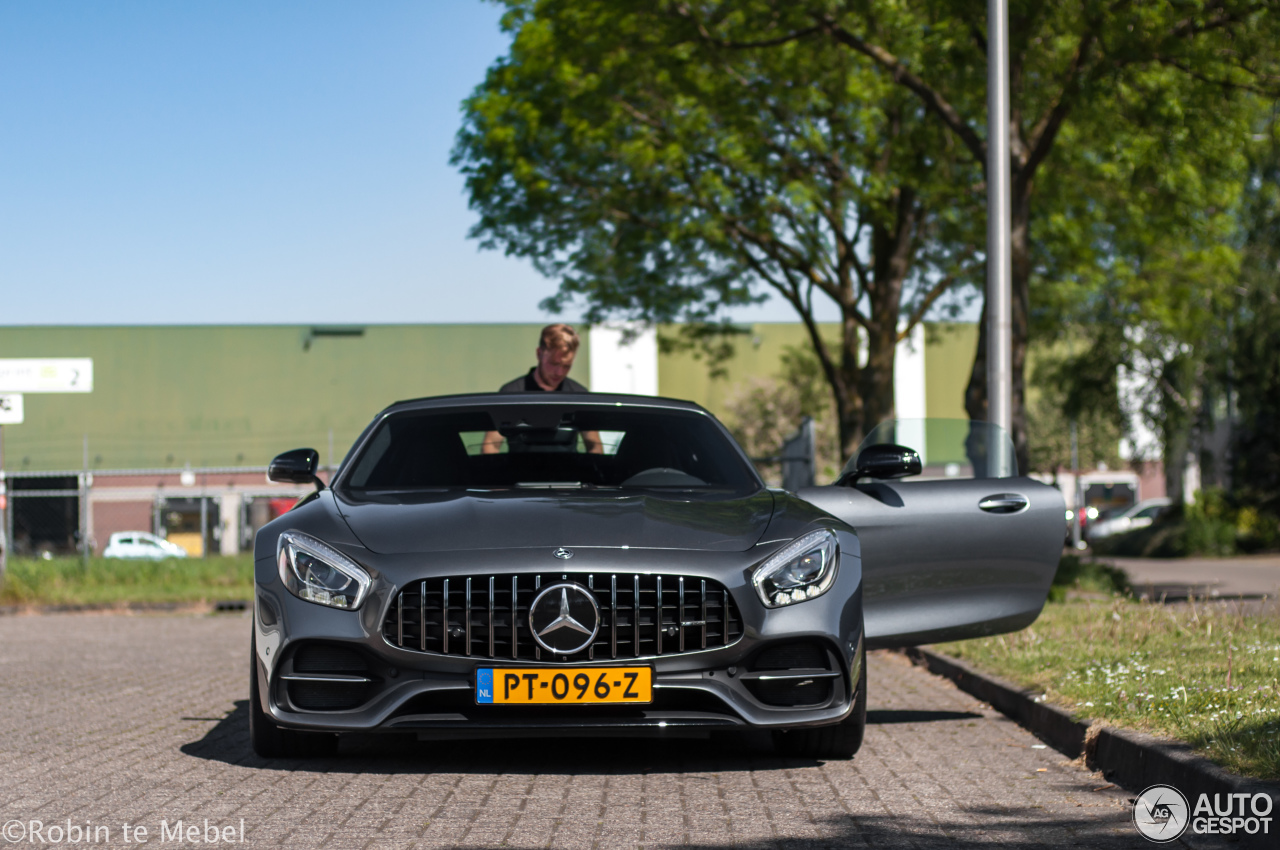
(1132, 760)
(201, 607)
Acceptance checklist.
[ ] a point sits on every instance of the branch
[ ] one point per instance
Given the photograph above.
(936, 292)
(932, 98)
(1046, 129)
(685, 12)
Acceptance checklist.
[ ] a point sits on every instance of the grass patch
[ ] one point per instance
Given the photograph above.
(108, 581)
(1075, 573)
(1203, 673)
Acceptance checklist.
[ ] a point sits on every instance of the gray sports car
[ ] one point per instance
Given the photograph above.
(559, 564)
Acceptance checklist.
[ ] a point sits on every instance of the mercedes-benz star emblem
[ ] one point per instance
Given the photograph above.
(564, 618)
(563, 553)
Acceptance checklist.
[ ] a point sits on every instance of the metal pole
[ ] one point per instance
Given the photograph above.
(4, 512)
(84, 505)
(1075, 483)
(999, 258)
(204, 521)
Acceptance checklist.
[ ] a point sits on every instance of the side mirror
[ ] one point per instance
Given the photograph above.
(885, 461)
(296, 467)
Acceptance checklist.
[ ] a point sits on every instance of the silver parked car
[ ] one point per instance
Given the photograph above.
(1128, 519)
(555, 564)
(143, 545)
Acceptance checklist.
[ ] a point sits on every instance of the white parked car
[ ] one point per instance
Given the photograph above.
(141, 544)
(1129, 519)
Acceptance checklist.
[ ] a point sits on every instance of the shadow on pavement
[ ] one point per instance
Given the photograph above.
(1009, 828)
(228, 741)
(888, 716)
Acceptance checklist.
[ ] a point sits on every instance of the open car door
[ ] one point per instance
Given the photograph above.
(963, 549)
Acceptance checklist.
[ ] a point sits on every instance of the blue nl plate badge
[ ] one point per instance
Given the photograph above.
(484, 686)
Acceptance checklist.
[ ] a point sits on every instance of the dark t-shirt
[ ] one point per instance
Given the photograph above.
(528, 384)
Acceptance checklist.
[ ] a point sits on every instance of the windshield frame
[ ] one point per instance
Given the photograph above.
(576, 401)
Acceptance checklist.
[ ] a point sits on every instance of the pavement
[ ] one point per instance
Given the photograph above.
(1248, 576)
(111, 719)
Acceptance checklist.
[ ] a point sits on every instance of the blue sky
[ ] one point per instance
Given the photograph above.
(246, 162)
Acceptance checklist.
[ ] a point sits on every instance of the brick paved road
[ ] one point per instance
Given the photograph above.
(110, 719)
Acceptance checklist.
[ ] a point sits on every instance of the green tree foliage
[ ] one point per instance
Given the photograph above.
(668, 160)
(1080, 388)
(662, 175)
(1255, 351)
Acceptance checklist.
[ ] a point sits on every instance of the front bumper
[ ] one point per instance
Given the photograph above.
(694, 692)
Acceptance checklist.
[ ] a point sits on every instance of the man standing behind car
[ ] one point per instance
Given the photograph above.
(557, 347)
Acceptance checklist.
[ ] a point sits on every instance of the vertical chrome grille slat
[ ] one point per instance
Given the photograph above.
(635, 619)
(444, 624)
(591, 586)
(724, 613)
(400, 619)
(422, 615)
(680, 611)
(703, 597)
(515, 608)
(467, 614)
(613, 614)
(537, 584)
(491, 616)
(657, 614)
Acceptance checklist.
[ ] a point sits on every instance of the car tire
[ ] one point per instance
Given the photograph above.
(839, 741)
(271, 740)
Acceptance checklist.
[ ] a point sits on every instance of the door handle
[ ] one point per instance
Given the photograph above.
(1004, 503)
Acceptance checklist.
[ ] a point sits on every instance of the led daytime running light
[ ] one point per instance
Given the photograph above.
(314, 571)
(802, 570)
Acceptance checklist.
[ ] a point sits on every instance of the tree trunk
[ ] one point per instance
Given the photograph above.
(846, 390)
(975, 396)
(872, 385)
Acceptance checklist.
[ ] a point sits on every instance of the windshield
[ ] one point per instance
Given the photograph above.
(949, 448)
(548, 446)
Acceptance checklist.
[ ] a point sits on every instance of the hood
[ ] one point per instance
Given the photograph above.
(451, 521)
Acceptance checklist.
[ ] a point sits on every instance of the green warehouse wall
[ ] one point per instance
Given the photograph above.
(165, 397)
(949, 351)
(237, 395)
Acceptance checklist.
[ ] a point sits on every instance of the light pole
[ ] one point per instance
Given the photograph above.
(999, 259)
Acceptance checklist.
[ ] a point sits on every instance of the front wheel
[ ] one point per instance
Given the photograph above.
(269, 739)
(839, 741)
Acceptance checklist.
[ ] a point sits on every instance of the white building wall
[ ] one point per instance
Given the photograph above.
(908, 376)
(624, 367)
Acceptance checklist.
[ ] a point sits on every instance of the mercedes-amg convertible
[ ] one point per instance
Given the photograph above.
(558, 564)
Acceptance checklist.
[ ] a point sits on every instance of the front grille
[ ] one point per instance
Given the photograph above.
(487, 616)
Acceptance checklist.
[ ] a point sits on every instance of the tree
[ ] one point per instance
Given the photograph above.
(664, 176)
(1085, 63)
(666, 159)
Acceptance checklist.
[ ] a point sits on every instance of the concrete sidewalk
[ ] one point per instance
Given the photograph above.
(1176, 578)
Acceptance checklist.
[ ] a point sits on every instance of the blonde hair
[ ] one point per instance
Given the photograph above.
(559, 337)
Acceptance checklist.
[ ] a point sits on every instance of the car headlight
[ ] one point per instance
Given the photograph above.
(316, 572)
(801, 570)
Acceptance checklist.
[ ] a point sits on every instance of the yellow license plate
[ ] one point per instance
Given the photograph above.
(563, 685)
